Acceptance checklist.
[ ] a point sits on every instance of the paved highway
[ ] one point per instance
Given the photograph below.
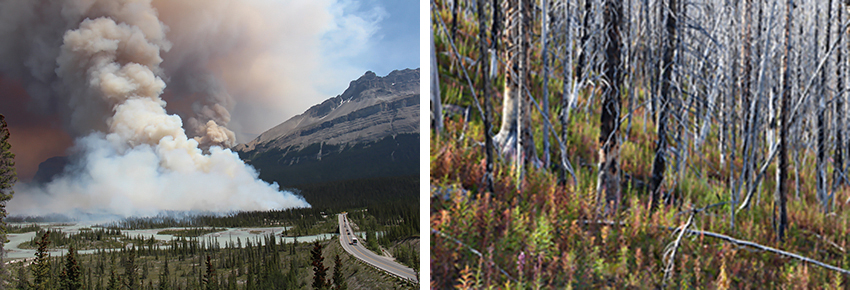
(359, 251)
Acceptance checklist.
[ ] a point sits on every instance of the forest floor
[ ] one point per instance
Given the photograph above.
(535, 232)
(547, 234)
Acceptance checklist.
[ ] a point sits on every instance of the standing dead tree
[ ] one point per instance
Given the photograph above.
(820, 166)
(436, 103)
(780, 215)
(513, 139)
(545, 98)
(608, 183)
(659, 164)
(838, 177)
(483, 65)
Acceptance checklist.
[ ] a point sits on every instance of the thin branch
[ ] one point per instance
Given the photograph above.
(670, 251)
(737, 242)
(472, 250)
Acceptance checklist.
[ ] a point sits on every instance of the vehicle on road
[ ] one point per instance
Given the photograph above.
(353, 241)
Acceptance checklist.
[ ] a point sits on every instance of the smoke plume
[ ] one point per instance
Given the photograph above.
(104, 74)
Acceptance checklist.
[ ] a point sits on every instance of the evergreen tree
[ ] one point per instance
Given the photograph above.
(231, 282)
(163, 278)
(8, 176)
(41, 265)
(131, 281)
(209, 277)
(71, 275)
(319, 269)
(23, 282)
(339, 278)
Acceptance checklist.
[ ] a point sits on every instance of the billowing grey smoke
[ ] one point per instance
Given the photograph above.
(133, 157)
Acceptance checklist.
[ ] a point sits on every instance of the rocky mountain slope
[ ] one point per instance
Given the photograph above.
(370, 130)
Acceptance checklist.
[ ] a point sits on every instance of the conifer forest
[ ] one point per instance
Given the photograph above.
(639, 144)
(198, 258)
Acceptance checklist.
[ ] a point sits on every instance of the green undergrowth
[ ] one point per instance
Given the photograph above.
(548, 235)
(542, 234)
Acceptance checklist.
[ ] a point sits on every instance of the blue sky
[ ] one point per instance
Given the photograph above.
(302, 52)
(376, 35)
(397, 38)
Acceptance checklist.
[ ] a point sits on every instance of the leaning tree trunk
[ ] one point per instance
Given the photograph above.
(608, 183)
(436, 104)
(659, 165)
(780, 216)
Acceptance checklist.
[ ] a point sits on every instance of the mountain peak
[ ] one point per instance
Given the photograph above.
(371, 108)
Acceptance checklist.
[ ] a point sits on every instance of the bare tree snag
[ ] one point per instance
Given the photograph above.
(659, 165)
(436, 104)
(821, 125)
(567, 98)
(838, 154)
(780, 216)
(485, 93)
(585, 35)
(608, 183)
(545, 98)
(512, 139)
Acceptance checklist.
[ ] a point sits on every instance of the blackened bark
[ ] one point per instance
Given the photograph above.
(659, 165)
(838, 157)
(780, 216)
(608, 183)
(585, 35)
(485, 92)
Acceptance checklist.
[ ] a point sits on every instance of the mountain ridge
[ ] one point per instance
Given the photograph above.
(370, 130)
(378, 105)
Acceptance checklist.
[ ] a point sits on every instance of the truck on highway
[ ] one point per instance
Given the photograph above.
(353, 241)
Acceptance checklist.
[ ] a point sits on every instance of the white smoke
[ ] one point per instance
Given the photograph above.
(139, 161)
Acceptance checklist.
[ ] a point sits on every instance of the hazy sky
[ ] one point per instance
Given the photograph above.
(263, 60)
(397, 38)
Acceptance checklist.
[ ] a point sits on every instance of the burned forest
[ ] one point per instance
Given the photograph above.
(649, 144)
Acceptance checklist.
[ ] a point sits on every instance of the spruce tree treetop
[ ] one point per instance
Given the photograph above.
(319, 269)
(71, 276)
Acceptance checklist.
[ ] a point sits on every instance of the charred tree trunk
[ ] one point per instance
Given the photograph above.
(455, 9)
(567, 96)
(608, 184)
(746, 95)
(660, 163)
(826, 196)
(780, 216)
(545, 97)
(585, 35)
(821, 124)
(838, 175)
(485, 93)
